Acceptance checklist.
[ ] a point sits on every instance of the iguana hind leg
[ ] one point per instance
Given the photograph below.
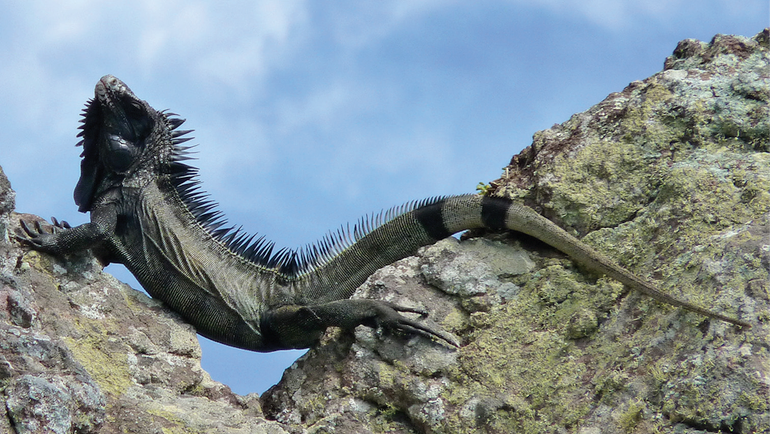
(301, 326)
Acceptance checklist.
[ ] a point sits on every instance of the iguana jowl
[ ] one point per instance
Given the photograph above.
(148, 213)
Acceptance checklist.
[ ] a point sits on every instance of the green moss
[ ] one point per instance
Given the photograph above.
(680, 223)
(483, 189)
(517, 357)
(170, 415)
(386, 419)
(101, 357)
(591, 193)
(607, 385)
(629, 419)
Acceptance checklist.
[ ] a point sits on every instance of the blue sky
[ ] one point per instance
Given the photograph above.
(312, 114)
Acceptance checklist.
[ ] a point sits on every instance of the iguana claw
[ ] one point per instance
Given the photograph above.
(388, 317)
(37, 236)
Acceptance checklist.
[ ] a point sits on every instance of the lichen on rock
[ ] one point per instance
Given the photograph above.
(671, 178)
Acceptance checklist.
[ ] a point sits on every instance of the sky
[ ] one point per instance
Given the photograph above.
(309, 114)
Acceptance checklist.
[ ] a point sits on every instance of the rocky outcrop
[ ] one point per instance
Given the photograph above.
(81, 352)
(670, 177)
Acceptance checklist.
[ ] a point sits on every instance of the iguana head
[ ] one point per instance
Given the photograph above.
(122, 135)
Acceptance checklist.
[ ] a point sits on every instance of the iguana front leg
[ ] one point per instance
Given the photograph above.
(63, 239)
(301, 326)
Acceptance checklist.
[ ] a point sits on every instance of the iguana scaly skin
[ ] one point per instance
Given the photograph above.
(148, 214)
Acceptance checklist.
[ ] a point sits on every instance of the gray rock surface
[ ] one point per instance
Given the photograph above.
(670, 177)
(82, 352)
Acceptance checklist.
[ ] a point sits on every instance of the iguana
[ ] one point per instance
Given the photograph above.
(148, 213)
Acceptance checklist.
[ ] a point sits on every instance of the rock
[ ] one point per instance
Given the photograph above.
(7, 204)
(671, 178)
(82, 352)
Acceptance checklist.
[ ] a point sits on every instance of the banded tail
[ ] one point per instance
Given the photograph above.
(339, 276)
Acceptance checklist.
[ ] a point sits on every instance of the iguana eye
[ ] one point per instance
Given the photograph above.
(135, 108)
(139, 118)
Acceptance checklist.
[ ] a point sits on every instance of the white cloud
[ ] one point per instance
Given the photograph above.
(619, 14)
(233, 43)
(357, 24)
(611, 14)
(324, 106)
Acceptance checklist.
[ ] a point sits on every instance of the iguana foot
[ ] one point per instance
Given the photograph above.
(38, 237)
(387, 316)
(296, 326)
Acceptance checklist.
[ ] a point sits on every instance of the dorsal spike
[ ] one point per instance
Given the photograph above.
(177, 133)
(180, 140)
(184, 180)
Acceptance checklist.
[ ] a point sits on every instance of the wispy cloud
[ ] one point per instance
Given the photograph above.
(617, 15)
(230, 43)
(354, 25)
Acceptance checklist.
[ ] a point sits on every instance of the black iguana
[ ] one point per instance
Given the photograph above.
(148, 213)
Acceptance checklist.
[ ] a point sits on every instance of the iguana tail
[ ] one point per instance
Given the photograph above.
(433, 220)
